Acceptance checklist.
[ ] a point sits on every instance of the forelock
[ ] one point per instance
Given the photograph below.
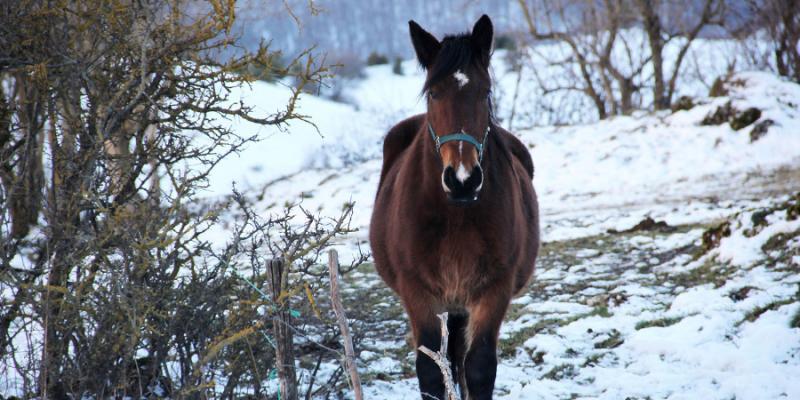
(456, 54)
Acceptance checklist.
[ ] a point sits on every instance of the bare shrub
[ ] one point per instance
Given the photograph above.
(111, 118)
(601, 54)
(771, 33)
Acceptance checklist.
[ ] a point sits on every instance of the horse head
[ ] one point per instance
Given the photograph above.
(458, 93)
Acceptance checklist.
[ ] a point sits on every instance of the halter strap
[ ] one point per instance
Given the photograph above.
(459, 137)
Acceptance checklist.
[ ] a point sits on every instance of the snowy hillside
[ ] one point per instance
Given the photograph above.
(644, 164)
(180, 183)
(671, 256)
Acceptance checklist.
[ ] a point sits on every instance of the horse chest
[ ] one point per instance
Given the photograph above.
(460, 260)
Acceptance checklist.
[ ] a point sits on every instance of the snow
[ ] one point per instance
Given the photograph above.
(611, 174)
(590, 178)
(743, 250)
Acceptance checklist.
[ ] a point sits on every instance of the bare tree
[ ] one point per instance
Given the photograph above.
(780, 20)
(592, 32)
(112, 115)
(606, 60)
(653, 12)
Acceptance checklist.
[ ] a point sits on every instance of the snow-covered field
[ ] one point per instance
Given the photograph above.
(702, 306)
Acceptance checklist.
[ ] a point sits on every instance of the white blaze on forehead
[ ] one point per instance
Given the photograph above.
(461, 173)
(461, 78)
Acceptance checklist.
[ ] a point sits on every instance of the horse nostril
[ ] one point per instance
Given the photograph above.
(449, 180)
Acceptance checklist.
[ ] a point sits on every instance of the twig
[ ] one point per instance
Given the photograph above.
(440, 358)
(338, 309)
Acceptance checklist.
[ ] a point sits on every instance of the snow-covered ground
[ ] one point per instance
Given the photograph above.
(613, 312)
(671, 260)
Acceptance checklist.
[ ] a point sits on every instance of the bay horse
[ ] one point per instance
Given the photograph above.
(456, 221)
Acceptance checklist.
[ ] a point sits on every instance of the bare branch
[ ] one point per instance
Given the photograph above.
(440, 358)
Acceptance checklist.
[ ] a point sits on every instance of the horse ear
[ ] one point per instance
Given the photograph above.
(425, 45)
(482, 37)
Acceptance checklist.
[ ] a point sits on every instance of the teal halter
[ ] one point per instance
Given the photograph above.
(460, 137)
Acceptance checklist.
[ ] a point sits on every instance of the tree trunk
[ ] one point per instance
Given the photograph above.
(23, 182)
(652, 27)
(787, 57)
(63, 217)
(284, 340)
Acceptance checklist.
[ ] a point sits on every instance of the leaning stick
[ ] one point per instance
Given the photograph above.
(338, 309)
(440, 358)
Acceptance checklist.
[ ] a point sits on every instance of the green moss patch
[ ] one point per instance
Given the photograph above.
(660, 323)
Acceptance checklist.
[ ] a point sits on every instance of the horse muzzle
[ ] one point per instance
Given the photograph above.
(462, 186)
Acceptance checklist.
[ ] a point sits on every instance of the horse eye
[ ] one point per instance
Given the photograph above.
(433, 94)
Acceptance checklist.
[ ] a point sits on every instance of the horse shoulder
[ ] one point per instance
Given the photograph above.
(519, 151)
(396, 141)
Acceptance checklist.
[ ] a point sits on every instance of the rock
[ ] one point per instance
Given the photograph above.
(647, 224)
(745, 118)
(713, 236)
(760, 129)
(721, 115)
(740, 294)
(683, 103)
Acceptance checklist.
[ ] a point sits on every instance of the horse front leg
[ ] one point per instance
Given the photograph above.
(480, 365)
(427, 332)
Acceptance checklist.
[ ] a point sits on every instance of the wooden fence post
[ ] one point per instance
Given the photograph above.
(338, 309)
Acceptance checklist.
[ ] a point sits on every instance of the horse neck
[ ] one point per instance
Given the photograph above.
(430, 163)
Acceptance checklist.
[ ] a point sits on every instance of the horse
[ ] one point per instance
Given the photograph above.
(455, 226)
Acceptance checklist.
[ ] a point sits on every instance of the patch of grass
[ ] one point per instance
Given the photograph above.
(758, 311)
(708, 272)
(795, 321)
(562, 371)
(592, 360)
(661, 323)
(778, 242)
(613, 341)
(328, 179)
(508, 347)
(601, 311)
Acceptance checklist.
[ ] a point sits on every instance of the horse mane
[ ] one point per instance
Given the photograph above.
(457, 52)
